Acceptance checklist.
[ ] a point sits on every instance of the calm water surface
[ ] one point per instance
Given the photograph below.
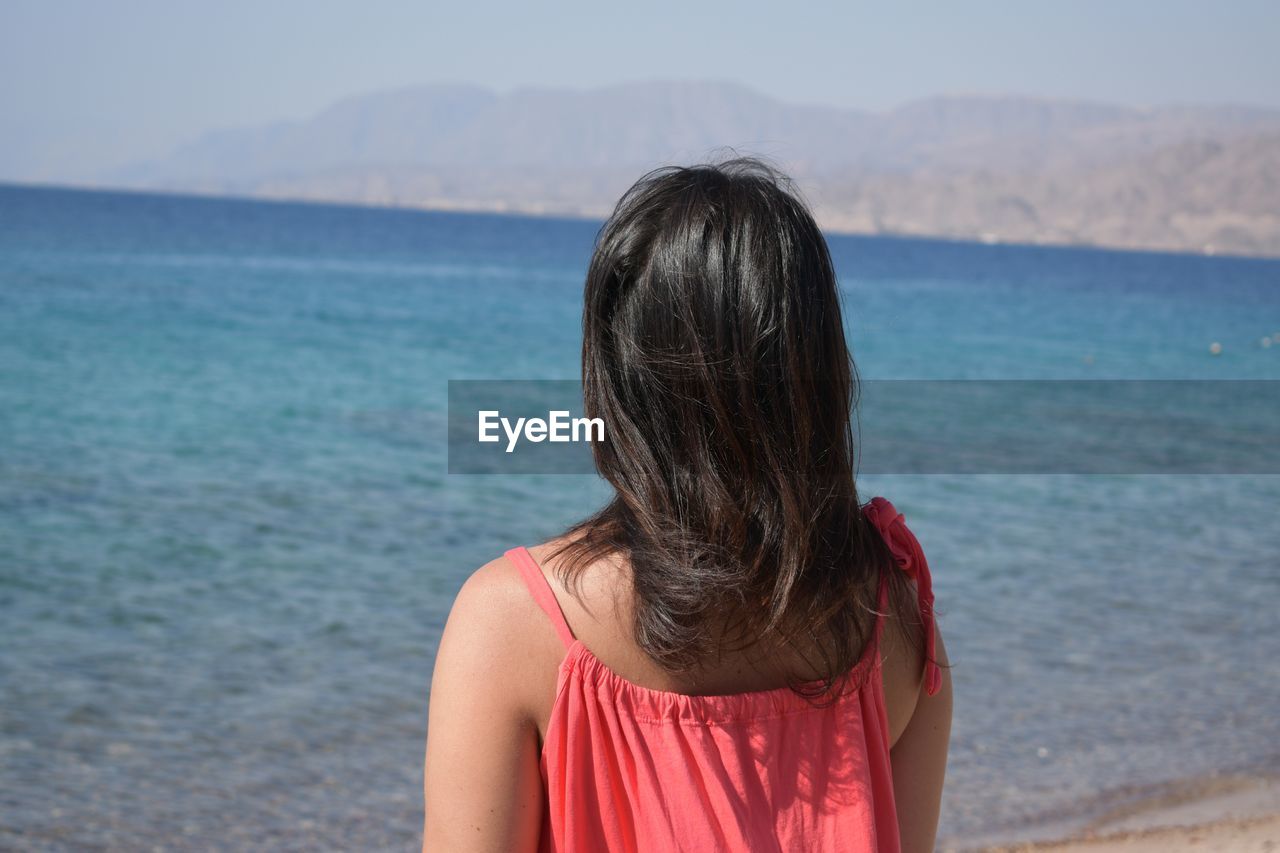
(228, 544)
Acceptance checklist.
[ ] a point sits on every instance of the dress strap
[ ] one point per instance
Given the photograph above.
(909, 556)
(541, 591)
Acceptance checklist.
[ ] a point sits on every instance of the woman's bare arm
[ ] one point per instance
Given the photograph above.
(482, 787)
(919, 759)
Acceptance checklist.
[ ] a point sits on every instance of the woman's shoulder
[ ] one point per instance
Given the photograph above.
(494, 594)
(912, 655)
(498, 597)
(501, 594)
(494, 630)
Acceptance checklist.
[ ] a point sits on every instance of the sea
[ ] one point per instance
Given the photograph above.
(229, 541)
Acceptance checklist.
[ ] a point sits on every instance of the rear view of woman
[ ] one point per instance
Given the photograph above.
(737, 652)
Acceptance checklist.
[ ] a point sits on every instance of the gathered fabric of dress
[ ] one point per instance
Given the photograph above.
(627, 768)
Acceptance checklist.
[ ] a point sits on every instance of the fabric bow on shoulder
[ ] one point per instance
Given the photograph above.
(909, 556)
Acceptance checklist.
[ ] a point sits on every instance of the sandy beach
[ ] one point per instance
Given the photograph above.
(1221, 814)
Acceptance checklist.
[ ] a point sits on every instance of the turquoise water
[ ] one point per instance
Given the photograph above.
(228, 542)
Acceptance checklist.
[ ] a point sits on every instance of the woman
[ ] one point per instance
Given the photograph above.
(735, 653)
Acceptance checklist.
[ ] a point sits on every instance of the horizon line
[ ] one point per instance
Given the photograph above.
(569, 216)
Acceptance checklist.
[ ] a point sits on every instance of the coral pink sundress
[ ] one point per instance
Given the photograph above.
(627, 768)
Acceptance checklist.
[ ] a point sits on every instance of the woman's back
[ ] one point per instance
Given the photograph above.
(732, 759)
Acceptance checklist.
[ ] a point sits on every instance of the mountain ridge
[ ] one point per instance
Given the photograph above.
(1080, 172)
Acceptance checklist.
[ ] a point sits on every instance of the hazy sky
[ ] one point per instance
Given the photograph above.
(86, 84)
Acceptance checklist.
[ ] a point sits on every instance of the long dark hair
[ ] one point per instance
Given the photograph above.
(714, 351)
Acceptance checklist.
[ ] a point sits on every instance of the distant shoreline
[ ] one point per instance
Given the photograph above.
(550, 212)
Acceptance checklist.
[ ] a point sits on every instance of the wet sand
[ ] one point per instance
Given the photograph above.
(1220, 814)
